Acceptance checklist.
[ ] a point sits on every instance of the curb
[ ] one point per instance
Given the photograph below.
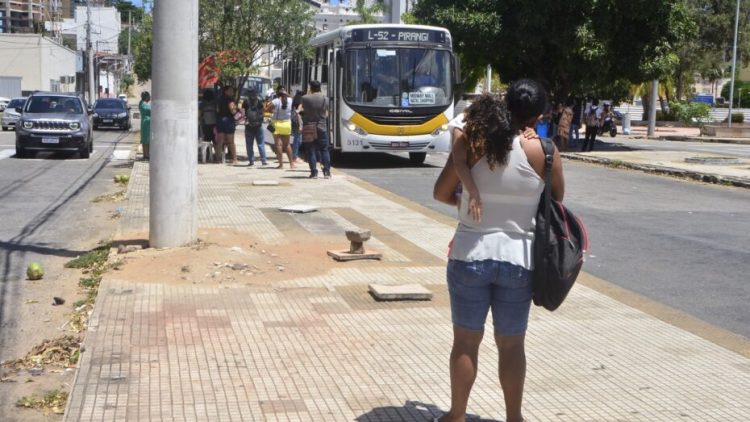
(743, 141)
(669, 171)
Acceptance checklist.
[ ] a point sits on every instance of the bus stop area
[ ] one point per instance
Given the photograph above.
(256, 322)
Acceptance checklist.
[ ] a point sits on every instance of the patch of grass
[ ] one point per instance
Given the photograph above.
(90, 282)
(97, 256)
(52, 401)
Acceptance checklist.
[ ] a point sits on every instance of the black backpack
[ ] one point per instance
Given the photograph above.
(253, 114)
(560, 240)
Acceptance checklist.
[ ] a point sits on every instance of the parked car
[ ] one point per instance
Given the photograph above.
(53, 121)
(111, 112)
(4, 103)
(10, 115)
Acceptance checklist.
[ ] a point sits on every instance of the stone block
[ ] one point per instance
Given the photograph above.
(347, 256)
(300, 208)
(400, 292)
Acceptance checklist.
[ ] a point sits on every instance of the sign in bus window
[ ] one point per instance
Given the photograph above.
(421, 98)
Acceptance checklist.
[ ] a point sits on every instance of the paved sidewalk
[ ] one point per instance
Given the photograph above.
(319, 348)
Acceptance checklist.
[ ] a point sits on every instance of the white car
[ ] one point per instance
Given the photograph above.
(10, 115)
(4, 103)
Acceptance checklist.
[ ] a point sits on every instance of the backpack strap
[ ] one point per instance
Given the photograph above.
(549, 155)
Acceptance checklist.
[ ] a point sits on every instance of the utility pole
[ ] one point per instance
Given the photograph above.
(652, 110)
(130, 25)
(173, 185)
(734, 62)
(89, 53)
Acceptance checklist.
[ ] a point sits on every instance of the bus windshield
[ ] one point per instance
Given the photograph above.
(398, 77)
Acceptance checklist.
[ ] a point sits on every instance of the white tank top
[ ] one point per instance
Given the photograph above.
(510, 197)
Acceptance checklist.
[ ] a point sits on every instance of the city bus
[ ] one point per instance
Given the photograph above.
(391, 87)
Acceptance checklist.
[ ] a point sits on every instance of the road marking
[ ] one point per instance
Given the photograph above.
(7, 153)
(121, 154)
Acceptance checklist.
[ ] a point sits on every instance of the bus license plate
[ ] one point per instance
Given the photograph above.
(50, 140)
(399, 144)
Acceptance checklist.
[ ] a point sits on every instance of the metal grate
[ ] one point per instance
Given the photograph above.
(401, 120)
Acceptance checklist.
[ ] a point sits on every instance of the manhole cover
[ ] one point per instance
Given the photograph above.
(712, 160)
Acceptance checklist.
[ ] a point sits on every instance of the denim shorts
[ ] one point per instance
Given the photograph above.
(227, 125)
(477, 286)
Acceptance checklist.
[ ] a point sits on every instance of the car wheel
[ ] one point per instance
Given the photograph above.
(5, 128)
(85, 152)
(417, 157)
(21, 153)
(96, 127)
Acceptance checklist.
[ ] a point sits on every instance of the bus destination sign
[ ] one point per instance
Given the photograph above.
(398, 35)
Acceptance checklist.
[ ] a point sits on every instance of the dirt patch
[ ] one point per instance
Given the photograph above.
(39, 320)
(226, 256)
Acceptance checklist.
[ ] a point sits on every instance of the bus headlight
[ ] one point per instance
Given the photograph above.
(441, 129)
(352, 127)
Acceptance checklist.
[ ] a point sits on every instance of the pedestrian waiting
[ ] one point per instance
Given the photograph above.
(254, 128)
(314, 118)
(281, 122)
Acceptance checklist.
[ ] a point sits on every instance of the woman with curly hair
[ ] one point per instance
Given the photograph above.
(500, 161)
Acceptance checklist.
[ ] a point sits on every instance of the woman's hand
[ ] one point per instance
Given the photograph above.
(475, 206)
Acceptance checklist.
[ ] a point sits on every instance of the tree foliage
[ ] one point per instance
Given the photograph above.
(369, 13)
(707, 51)
(141, 41)
(245, 27)
(577, 46)
(128, 8)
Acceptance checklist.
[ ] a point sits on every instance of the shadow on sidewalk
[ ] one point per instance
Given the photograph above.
(411, 411)
(371, 160)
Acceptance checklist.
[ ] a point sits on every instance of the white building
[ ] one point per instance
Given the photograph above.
(42, 64)
(105, 28)
(332, 14)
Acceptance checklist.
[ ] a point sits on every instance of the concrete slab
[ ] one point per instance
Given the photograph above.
(265, 183)
(346, 256)
(400, 292)
(301, 208)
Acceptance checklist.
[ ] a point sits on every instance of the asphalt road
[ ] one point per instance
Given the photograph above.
(44, 205)
(679, 243)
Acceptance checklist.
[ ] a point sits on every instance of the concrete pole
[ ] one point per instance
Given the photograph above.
(734, 62)
(652, 110)
(173, 218)
(488, 80)
(90, 53)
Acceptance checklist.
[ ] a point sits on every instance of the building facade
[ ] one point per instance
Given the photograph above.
(42, 63)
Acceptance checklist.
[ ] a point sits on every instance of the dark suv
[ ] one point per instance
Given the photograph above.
(111, 112)
(53, 121)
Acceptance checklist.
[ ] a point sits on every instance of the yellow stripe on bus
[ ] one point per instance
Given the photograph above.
(399, 130)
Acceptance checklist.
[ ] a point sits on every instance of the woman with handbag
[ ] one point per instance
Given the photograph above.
(281, 123)
(490, 265)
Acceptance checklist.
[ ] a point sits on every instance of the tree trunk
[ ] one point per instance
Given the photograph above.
(646, 102)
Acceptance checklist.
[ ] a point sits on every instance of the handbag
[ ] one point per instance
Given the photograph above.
(271, 128)
(560, 240)
(309, 132)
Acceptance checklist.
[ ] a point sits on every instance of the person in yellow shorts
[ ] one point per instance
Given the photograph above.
(281, 119)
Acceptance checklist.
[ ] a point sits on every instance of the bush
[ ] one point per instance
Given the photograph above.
(737, 118)
(664, 117)
(689, 112)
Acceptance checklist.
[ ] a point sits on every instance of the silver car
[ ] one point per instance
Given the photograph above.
(54, 121)
(10, 115)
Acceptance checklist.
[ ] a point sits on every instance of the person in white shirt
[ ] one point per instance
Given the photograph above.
(490, 263)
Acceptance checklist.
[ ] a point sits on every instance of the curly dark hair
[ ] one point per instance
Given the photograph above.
(491, 121)
(488, 129)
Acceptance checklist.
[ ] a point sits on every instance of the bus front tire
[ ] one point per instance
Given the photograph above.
(417, 157)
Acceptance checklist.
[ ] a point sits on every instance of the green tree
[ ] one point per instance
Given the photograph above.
(578, 46)
(248, 26)
(141, 41)
(369, 13)
(127, 8)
